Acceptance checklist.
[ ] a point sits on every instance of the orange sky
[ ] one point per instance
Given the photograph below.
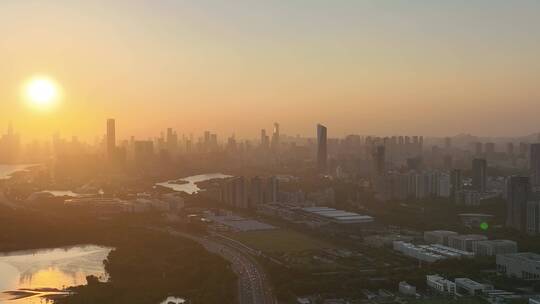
(367, 67)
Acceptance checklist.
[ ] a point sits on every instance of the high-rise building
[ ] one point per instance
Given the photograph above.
(111, 137)
(479, 174)
(275, 137)
(456, 181)
(172, 140)
(534, 164)
(533, 217)
(233, 192)
(256, 194)
(379, 160)
(322, 153)
(264, 140)
(517, 195)
(271, 190)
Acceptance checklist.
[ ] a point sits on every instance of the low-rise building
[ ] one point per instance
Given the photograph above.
(415, 252)
(465, 242)
(534, 300)
(429, 253)
(438, 236)
(407, 289)
(386, 240)
(494, 247)
(337, 216)
(466, 286)
(440, 284)
(523, 265)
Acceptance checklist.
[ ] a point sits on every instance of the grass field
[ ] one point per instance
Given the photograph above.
(279, 240)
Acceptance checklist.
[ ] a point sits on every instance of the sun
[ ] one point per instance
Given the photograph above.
(42, 92)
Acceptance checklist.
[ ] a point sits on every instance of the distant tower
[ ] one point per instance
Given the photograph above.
(111, 137)
(534, 164)
(265, 142)
(479, 174)
(275, 137)
(322, 153)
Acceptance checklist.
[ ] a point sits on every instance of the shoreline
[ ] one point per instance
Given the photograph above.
(49, 293)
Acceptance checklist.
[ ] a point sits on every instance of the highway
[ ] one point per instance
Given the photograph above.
(253, 286)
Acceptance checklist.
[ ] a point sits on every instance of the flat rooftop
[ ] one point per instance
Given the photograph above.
(526, 256)
(472, 237)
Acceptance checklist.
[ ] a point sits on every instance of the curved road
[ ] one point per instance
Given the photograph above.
(253, 286)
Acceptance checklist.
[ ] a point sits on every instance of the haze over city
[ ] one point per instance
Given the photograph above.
(368, 67)
(269, 152)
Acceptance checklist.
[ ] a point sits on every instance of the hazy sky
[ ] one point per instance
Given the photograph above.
(369, 67)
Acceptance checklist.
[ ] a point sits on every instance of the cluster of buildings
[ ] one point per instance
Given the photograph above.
(417, 185)
(443, 244)
(461, 287)
(430, 253)
(475, 243)
(523, 265)
(420, 184)
(239, 192)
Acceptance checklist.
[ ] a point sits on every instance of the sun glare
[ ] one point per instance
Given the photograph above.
(42, 92)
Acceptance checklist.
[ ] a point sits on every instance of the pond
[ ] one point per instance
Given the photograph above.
(188, 184)
(173, 300)
(48, 270)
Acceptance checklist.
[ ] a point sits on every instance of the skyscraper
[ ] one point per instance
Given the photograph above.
(172, 140)
(322, 153)
(275, 137)
(534, 164)
(479, 174)
(111, 137)
(517, 195)
(264, 139)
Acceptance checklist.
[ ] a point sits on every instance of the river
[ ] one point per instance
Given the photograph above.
(56, 268)
(7, 170)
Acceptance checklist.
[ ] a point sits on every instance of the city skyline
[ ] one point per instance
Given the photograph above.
(269, 152)
(366, 67)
